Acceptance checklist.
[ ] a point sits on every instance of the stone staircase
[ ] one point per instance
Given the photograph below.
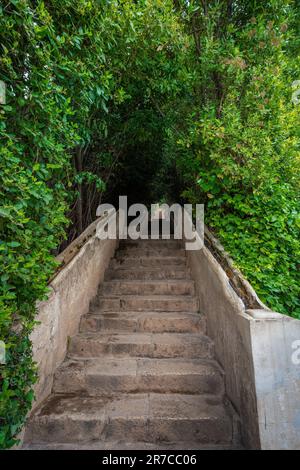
(141, 373)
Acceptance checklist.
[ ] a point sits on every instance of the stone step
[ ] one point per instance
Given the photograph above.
(148, 273)
(152, 322)
(150, 261)
(109, 376)
(134, 252)
(154, 303)
(137, 287)
(152, 345)
(156, 418)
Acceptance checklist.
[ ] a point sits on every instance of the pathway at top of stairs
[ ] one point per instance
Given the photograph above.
(141, 373)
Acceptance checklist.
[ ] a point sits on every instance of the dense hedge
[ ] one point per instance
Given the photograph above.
(156, 99)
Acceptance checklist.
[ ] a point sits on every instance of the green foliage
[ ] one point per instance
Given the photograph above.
(238, 149)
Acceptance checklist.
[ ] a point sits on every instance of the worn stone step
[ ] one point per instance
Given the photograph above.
(137, 287)
(150, 261)
(154, 303)
(155, 345)
(134, 252)
(139, 417)
(153, 322)
(109, 376)
(177, 272)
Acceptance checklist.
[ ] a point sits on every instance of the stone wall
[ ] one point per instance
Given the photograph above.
(255, 348)
(71, 291)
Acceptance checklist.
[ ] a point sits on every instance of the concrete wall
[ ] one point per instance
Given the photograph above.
(70, 294)
(255, 349)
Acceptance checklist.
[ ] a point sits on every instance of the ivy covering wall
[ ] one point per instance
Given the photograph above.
(173, 100)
